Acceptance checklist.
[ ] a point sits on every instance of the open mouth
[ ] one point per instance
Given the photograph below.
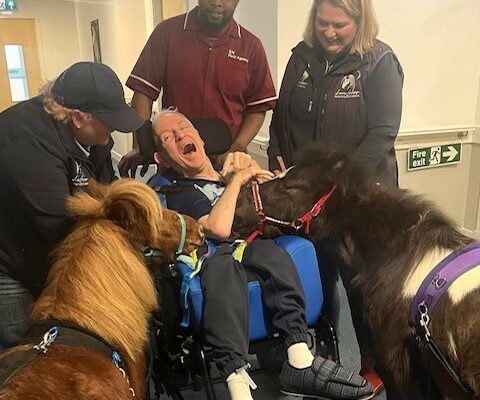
(189, 148)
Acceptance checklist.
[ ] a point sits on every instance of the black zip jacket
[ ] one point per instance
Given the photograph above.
(353, 104)
(40, 165)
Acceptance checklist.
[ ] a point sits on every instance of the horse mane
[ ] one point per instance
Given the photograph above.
(99, 280)
(391, 206)
(345, 168)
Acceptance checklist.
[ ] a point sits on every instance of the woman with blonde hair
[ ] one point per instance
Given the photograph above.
(342, 88)
(51, 146)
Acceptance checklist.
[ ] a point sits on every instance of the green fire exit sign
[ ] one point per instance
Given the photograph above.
(8, 5)
(435, 156)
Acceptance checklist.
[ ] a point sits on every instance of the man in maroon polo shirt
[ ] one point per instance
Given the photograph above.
(208, 66)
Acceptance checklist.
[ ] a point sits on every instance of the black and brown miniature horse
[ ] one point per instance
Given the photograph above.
(388, 241)
(99, 283)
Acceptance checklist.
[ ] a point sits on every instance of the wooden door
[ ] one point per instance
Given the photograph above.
(20, 74)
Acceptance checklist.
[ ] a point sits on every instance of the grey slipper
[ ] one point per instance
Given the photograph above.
(325, 379)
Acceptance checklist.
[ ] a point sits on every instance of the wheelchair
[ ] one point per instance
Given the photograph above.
(182, 358)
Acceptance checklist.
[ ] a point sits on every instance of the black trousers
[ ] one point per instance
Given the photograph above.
(225, 294)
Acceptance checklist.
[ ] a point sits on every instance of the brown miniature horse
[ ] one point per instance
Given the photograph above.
(99, 283)
(387, 241)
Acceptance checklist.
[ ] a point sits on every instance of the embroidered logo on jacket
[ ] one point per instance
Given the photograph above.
(232, 54)
(303, 82)
(80, 179)
(348, 86)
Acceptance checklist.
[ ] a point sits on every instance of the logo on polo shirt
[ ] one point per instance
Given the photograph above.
(232, 54)
(348, 86)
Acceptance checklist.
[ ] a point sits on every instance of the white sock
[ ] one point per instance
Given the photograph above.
(299, 355)
(238, 387)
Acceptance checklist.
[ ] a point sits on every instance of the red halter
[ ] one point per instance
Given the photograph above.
(296, 224)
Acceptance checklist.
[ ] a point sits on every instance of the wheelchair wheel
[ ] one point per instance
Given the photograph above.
(326, 340)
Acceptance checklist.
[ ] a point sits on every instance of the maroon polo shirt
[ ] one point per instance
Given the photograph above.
(224, 78)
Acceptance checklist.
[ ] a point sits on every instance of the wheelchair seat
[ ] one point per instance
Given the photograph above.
(304, 258)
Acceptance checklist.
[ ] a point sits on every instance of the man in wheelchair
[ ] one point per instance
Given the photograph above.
(210, 197)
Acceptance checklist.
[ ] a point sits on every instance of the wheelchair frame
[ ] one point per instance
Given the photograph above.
(182, 360)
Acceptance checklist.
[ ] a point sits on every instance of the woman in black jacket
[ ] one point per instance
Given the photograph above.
(342, 88)
(50, 146)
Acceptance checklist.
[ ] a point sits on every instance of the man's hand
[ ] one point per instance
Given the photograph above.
(237, 161)
(129, 163)
(248, 174)
(242, 168)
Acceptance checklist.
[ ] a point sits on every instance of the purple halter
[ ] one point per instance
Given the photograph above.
(439, 280)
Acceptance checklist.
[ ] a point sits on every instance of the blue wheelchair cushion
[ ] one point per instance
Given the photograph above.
(304, 257)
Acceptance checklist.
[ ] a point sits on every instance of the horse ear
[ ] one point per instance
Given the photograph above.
(134, 207)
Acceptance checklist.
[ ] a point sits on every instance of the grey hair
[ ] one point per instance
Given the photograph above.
(165, 111)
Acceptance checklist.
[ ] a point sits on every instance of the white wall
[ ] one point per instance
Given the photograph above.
(438, 44)
(477, 115)
(56, 24)
(123, 34)
(290, 27)
(260, 18)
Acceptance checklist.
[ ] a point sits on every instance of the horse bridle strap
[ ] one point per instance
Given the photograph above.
(61, 333)
(296, 224)
(70, 335)
(183, 235)
(151, 253)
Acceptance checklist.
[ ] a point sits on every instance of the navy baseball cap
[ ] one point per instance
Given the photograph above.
(94, 88)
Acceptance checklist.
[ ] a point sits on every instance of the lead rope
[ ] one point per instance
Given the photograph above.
(117, 361)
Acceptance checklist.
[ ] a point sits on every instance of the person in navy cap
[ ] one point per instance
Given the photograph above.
(50, 146)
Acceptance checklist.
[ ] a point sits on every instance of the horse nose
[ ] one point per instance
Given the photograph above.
(201, 232)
